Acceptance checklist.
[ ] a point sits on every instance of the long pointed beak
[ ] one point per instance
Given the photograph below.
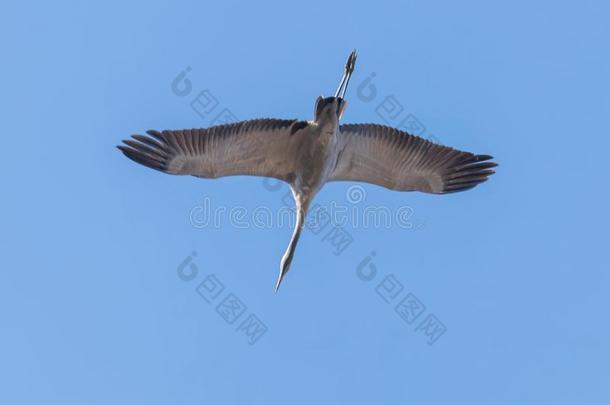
(279, 280)
(347, 74)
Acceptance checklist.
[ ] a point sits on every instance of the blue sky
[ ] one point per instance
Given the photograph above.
(92, 304)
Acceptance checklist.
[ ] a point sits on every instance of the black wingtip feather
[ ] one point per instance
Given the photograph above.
(147, 151)
(467, 173)
(155, 134)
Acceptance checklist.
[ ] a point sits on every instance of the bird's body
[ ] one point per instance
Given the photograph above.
(308, 154)
(319, 153)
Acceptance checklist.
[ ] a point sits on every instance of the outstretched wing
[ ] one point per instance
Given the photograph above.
(396, 160)
(261, 147)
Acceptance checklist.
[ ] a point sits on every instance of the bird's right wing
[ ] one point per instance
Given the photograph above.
(396, 160)
(261, 147)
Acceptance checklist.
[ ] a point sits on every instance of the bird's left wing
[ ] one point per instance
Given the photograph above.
(261, 147)
(396, 160)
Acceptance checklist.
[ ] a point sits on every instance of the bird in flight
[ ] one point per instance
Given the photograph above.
(308, 154)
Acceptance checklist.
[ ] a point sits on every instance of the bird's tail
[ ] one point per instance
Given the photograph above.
(301, 210)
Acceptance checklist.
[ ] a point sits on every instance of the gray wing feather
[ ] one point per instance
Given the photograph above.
(396, 160)
(261, 147)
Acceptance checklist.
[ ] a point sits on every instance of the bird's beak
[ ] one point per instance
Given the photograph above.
(347, 74)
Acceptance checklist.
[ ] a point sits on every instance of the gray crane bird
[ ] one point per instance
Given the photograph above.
(308, 154)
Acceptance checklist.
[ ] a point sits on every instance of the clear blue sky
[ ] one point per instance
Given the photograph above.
(91, 305)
